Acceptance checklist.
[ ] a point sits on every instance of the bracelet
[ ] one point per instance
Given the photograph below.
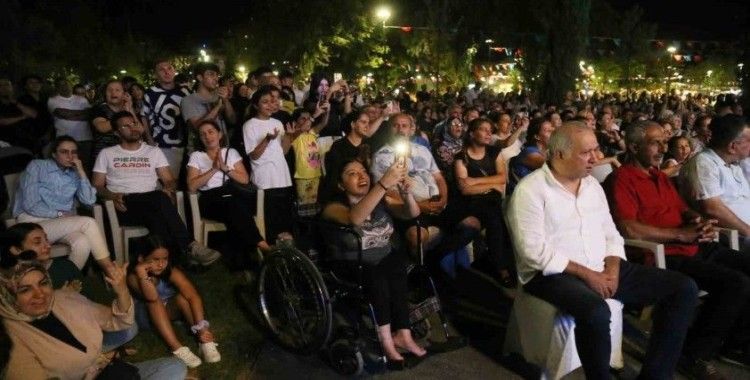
(199, 326)
(383, 186)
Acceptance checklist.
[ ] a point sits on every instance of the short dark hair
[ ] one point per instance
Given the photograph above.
(14, 237)
(286, 74)
(725, 129)
(29, 77)
(120, 115)
(61, 139)
(201, 68)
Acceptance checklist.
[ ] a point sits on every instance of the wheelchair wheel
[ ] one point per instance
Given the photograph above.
(294, 301)
(345, 358)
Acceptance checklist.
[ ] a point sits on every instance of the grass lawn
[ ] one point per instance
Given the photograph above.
(238, 333)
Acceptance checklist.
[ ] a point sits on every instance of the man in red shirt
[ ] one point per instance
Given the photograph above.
(646, 205)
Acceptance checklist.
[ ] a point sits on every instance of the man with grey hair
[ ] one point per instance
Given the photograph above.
(570, 254)
(646, 206)
(714, 181)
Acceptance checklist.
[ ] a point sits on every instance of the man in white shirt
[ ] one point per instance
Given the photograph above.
(570, 254)
(70, 113)
(714, 179)
(129, 175)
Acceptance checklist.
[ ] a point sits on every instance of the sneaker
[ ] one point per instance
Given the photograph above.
(187, 356)
(701, 370)
(737, 357)
(210, 353)
(202, 254)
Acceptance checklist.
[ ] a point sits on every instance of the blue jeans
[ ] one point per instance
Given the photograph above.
(674, 294)
(170, 368)
(114, 339)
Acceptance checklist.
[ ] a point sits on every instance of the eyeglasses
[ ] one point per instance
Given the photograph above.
(130, 126)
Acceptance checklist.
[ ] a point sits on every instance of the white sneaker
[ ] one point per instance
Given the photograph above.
(210, 353)
(187, 356)
(202, 254)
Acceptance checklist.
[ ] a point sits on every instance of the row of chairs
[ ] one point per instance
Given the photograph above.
(122, 234)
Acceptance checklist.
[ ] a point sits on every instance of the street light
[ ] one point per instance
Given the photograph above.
(383, 13)
(671, 49)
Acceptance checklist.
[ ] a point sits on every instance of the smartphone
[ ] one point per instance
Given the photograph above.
(337, 77)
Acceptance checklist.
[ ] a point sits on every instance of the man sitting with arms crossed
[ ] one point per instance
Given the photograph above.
(570, 254)
(646, 206)
(129, 175)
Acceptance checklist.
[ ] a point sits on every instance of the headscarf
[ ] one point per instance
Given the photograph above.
(450, 146)
(10, 278)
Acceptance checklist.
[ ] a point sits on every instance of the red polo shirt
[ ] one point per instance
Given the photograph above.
(649, 198)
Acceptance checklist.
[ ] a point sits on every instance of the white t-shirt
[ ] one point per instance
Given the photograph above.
(270, 170)
(203, 163)
(79, 130)
(131, 171)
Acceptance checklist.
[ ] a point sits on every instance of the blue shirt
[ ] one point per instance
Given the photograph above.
(45, 189)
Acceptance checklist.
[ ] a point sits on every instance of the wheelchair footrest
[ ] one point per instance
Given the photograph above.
(423, 309)
(453, 343)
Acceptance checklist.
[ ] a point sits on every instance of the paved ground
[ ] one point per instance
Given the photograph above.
(480, 359)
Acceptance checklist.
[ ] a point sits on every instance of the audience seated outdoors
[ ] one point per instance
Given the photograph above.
(165, 293)
(384, 273)
(47, 195)
(646, 206)
(570, 254)
(129, 175)
(384, 176)
(59, 333)
(210, 169)
(715, 183)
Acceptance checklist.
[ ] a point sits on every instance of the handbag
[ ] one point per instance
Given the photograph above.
(118, 369)
(233, 187)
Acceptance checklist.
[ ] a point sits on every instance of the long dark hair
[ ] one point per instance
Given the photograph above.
(14, 237)
(146, 245)
(199, 142)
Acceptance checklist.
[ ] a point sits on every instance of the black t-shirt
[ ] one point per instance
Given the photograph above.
(56, 329)
(20, 133)
(102, 140)
(484, 167)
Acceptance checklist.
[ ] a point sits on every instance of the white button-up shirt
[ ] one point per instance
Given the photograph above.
(708, 176)
(551, 226)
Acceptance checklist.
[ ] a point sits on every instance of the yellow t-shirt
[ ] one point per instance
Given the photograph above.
(306, 156)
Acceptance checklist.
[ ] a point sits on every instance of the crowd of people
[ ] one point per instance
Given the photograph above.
(543, 193)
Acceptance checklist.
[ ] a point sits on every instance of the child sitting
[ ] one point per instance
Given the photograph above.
(167, 293)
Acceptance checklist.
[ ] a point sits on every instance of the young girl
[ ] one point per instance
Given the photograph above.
(266, 143)
(167, 293)
(307, 169)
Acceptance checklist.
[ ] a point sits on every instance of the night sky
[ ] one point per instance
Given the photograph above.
(700, 20)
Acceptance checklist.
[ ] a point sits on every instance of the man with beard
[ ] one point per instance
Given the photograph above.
(645, 205)
(129, 175)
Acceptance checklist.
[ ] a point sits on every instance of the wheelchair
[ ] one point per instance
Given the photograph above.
(310, 308)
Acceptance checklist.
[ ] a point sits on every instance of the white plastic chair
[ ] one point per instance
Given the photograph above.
(58, 249)
(121, 235)
(202, 226)
(545, 336)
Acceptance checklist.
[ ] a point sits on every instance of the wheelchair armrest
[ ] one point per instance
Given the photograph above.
(730, 237)
(656, 248)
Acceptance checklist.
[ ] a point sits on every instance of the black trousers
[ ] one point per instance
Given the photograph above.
(674, 294)
(279, 211)
(237, 214)
(725, 314)
(386, 287)
(155, 211)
